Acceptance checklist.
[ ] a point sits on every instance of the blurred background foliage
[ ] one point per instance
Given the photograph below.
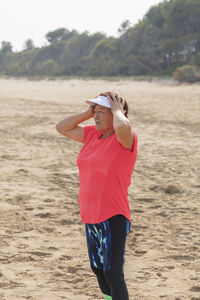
(166, 39)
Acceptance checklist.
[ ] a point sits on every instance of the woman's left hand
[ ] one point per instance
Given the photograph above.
(116, 103)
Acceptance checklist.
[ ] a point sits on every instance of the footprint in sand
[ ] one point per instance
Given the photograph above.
(155, 206)
(140, 227)
(162, 215)
(181, 257)
(66, 222)
(72, 270)
(22, 171)
(196, 186)
(147, 200)
(8, 157)
(170, 267)
(44, 215)
(65, 257)
(48, 229)
(156, 188)
(138, 211)
(38, 253)
(170, 189)
(140, 252)
(29, 208)
(195, 289)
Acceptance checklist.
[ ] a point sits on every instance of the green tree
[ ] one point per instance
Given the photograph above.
(6, 47)
(58, 35)
(29, 45)
(48, 67)
(6, 56)
(155, 15)
(166, 38)
(103, 58)
(75, 57)
(170, 51)
(125, 25)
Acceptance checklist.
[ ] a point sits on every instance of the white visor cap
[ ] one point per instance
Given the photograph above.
(101, 100)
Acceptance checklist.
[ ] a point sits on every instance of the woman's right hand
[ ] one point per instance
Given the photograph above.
(91, 112)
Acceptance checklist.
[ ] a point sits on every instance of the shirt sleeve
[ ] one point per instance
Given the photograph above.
(135, 142)
(134, 149)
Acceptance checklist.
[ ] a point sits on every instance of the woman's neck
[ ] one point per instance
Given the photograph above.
(107, 133)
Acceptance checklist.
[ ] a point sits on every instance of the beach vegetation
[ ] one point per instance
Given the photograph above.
(166, 39)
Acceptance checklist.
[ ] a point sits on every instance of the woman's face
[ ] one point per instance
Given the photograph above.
(103, 118)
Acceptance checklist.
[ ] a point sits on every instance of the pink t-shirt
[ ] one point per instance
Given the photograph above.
(105, 168)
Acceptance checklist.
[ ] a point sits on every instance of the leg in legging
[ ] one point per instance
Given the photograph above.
(94, 244)
(119, 227)
(117, 285)
(102, 281)
(106, 246)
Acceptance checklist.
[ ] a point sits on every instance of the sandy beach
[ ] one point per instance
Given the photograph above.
(43, 254)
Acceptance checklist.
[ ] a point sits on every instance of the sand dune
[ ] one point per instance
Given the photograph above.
(43, 252)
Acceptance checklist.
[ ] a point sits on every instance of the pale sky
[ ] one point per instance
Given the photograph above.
(32, 19)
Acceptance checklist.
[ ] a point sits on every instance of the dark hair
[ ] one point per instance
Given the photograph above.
(125, 107)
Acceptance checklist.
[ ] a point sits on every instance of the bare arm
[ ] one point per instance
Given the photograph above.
(123, 129)
(121, 124)
(70, 127)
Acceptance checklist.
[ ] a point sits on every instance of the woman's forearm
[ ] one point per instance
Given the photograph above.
(72, 121)
(120, 122)
(123, 129)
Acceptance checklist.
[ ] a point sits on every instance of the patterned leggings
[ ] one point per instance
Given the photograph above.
(106, 249)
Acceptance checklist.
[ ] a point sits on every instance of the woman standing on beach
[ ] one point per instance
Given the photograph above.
(106, 162)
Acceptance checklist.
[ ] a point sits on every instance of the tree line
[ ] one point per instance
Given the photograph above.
(167, 37)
